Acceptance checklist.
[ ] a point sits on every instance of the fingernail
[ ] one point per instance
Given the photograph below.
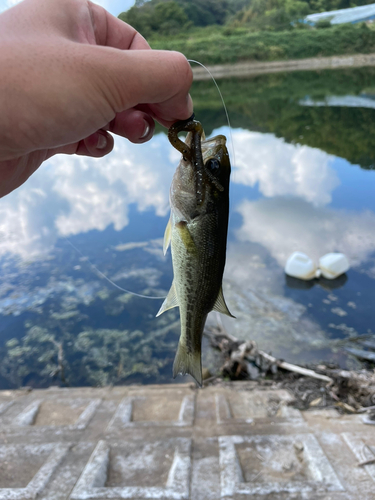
(190, 104)
(102, 141)
(146, 130)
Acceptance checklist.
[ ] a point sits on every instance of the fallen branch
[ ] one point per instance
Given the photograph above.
(348, 390)
(295, 368)
(241, 352)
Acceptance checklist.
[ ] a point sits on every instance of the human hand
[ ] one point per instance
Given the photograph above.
(70, 72)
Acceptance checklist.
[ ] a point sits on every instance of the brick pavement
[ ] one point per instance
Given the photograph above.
(176, 442)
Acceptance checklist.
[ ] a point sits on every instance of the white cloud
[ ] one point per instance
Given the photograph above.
(26, 218)
(283, 226)
(100, 191)
(283, 169)
(73, 194)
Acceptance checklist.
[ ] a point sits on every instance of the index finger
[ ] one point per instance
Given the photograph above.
(157, 79)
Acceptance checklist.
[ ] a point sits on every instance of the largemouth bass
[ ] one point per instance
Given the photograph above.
(197, 231)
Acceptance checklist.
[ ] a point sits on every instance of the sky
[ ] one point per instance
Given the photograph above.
(113, 6)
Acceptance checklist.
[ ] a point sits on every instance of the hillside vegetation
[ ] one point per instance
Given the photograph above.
(225, 31)
(154, 18)
(220, 48)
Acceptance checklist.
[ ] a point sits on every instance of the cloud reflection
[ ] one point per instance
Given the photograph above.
(69, 195)
(100, 191)
(74, 194)
(283, 169)
(284, 225)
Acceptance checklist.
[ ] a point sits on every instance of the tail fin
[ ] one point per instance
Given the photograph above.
(188, 362)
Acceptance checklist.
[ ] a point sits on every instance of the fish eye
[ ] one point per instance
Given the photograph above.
(213, 164)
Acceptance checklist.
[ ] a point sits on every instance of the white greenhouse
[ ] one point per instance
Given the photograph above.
(354, 15)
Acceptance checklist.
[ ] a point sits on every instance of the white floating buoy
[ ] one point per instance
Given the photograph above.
(299, 265)
(333, 265)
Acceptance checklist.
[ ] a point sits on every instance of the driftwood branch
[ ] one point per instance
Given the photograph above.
(348, 391)
(240, 352)
(295, 368)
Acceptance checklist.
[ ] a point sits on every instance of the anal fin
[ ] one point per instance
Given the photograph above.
(220, 304)
(170, 301)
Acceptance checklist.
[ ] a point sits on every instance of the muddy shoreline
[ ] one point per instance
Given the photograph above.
(250, 68)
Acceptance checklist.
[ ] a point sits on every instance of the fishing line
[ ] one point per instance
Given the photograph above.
(102, 275)
(222, 100)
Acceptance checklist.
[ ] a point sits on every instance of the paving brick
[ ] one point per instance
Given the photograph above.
(274, 464)
(235, 407)
(153, 470)
(37, 463)
(363, 447)
(176, 442)
(70, 413)
(154, 411)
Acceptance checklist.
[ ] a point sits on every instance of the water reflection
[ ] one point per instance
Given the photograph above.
(284, 225)
(283, 169)
(289, 192)
(362, 101)
(72, 195)
(323, 282)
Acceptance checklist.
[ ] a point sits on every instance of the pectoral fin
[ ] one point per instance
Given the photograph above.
(170, 301)
(167, 237)
(186, 237)
(221, 306)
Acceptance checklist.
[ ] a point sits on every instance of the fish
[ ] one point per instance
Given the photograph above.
(197, 233)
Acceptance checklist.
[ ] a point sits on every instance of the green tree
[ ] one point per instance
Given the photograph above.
(272, 14)
(140, 19)
(169, 18)
(157, 17)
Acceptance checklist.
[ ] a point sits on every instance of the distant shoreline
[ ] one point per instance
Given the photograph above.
(250, 68)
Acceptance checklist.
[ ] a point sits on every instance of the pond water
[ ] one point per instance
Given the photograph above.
(302, 179)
